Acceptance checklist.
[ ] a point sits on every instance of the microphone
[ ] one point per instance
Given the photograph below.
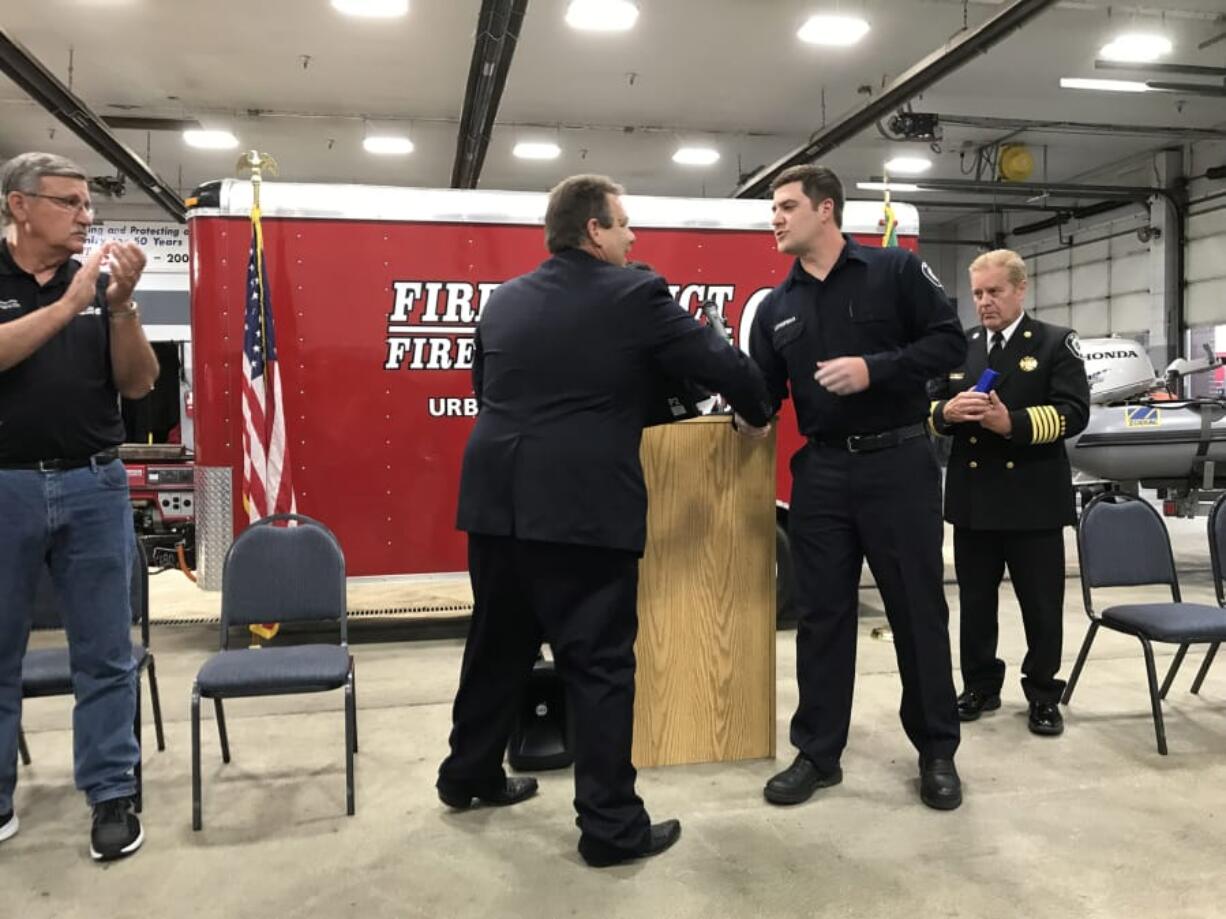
(711, 312)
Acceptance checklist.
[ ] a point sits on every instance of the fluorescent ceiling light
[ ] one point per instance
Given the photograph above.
(908, 165)
(527, 150)
(1110, 86)
(696, 156)
(602, 15)
(387, 145)
(1137, 47)
(372, 9)
(888, 186)
(210, 140)
(838, 31)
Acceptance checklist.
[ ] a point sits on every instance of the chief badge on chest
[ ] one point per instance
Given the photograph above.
(1028, 363)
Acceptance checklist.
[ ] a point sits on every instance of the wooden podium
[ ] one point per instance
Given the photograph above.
(705, 690)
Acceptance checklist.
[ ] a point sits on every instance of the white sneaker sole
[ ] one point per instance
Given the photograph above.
(127, 850)
(9, 830)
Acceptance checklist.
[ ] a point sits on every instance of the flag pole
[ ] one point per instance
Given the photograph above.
(257, 164)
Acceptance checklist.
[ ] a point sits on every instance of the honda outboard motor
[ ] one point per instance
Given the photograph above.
(1118, 369)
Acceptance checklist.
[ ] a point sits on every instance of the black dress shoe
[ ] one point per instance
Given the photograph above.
(972, 704)
(797, 782)
(940, 786)
(514, 791)
(1045, 719)
(662, 836)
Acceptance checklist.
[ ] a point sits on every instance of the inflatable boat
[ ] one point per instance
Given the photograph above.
(1136, 430)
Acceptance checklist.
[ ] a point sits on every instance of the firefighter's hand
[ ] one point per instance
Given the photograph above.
(843, 375)
(996, 419)
(745, 429)
(965, 406)
(127, 263)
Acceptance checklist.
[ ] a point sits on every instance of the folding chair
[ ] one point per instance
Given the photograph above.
(48, 671)
(1122, 542)
(278, 574)
(1217, 548)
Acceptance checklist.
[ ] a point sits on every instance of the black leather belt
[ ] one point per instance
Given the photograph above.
(869, 443)
(100, 458)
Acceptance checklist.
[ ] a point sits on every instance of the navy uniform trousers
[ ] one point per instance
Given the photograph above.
(884, 506)
(583, 601)
(1035, 559)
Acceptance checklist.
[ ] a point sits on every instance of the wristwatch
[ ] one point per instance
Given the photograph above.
(131, 311)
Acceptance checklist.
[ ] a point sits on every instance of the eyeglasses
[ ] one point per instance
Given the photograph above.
(67, 203)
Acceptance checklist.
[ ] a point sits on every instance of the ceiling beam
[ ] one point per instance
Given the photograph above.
(933, 68)
(1035, 189)
(1185, 69)
(45, 88)
(498, 26)
(1052, 126)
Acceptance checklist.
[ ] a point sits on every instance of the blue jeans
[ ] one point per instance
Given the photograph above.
(79, 523)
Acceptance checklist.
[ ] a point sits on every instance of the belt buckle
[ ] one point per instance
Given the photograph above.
(46, 466)
(851, 443)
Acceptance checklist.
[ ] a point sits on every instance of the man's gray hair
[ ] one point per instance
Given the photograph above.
(572, 203)
(22, 173)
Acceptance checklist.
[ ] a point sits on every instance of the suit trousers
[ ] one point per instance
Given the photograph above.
(884, 506)
(1035, 559)
(583, 601)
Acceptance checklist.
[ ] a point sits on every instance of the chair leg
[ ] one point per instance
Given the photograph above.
(1081, 662)
(1155, 700)
(1170, 674)
(221, 730)
(1204, 667)
(157, 704)
(137, 773)
(197, 815)
(21, 745)
(351, 737)
(353, 680)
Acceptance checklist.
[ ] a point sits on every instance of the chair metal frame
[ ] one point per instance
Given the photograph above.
(1156, 693)
(1219, 589)
(350, 685)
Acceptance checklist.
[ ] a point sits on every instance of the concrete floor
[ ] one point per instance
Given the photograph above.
(1092, 824)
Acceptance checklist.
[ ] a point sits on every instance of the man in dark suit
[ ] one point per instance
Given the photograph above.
(1008, 489)
(553, 499)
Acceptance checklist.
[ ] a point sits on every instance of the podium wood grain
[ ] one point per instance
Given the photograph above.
(705, 690)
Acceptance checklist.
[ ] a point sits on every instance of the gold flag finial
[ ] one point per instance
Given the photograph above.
(259, 165)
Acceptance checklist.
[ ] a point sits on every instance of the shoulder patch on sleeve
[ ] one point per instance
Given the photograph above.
(1073, 343)
(931, 276)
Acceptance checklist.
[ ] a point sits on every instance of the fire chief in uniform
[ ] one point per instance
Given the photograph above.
(553, 500)
(1008, 490)
(855, 333)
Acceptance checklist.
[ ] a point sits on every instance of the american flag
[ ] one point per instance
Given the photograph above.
(268, 486)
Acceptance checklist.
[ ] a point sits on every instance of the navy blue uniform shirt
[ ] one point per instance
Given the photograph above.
(884, 305)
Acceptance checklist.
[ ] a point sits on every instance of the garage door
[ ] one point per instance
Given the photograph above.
(1206, 266)
(1098, 285)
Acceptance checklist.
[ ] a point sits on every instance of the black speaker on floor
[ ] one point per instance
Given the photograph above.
(542, 737)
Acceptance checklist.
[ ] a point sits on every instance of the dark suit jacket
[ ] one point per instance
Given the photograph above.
(565, 359)
(1022, 482)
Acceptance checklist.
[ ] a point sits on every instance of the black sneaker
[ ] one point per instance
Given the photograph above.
(117, 831)
(8, 825)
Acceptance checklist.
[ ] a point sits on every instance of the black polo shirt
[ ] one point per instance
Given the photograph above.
(884, 305)
(61, 401)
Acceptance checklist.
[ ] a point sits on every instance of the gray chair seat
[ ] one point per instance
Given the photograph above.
(1172, 622)
(47, 671)
(270, 671)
